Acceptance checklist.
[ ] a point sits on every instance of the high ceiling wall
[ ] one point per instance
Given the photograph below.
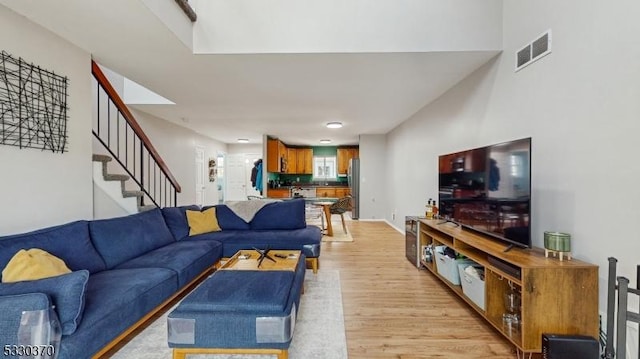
(333, 26)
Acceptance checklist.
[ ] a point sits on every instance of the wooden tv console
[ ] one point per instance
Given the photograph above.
(558, 297)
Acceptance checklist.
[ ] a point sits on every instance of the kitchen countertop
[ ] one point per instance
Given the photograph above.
(309, 186)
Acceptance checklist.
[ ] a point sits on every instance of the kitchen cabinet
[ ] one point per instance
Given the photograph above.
(342, 192)
(326, 192)
(282, 151)
(299, 160)
(344, 155)
(304, 163)
(332, 192)
(276, 156)
(278, 193)
(292, 160)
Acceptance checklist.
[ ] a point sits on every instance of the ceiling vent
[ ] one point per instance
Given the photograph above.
(533, 51)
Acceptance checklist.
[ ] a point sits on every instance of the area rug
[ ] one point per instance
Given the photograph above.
(338, 236)
(338, 232)
(319, 331)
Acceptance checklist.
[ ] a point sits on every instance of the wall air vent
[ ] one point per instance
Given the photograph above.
(533, 51)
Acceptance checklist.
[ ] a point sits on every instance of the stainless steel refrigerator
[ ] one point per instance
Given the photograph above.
(353, 177)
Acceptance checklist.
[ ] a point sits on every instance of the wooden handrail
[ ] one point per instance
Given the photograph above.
(102, 80)
(188, 10)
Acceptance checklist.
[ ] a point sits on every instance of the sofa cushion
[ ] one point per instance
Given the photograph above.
(69, 242)
(227, 219)
(261, 292)
(176, 220)
(280, 215)
(186, 258)
(202, 221)
(120, 239)
(233, 241)
(67, 292)
(32, 264)
(115, 300)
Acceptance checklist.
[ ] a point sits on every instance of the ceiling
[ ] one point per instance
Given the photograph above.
(226, 97)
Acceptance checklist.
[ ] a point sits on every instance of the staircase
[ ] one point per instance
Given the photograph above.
(130, 201)
(122, 138)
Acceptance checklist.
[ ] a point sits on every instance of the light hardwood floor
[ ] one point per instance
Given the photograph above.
(394, 310)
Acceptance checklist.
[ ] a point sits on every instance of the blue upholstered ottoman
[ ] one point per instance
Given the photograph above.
(238, 311)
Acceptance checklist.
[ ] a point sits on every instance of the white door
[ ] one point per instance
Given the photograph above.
(236, 186)
(200, 176)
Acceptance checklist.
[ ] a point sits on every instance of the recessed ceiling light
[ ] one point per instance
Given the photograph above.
(325, 141)
(334, 124)
(243, 140)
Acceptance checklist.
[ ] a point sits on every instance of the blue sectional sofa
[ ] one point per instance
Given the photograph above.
(125, 268)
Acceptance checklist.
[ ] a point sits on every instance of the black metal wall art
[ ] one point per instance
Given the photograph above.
(33, 106)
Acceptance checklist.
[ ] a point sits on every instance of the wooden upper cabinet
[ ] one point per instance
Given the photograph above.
(344, 155)
(282, 151)
(304, 164)
(276, 156)
(273, 159)
(292, 160)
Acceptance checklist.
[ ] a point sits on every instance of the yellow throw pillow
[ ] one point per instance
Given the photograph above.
(202, 222)
(33, 264)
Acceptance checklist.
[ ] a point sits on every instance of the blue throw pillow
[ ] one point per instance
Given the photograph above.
(66, 292)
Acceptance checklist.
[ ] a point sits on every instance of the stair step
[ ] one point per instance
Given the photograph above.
(132, 194)
(101, 158)
(115, 177)
(147, 207)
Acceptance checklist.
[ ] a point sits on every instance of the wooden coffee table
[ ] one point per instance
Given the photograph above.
(247, 259)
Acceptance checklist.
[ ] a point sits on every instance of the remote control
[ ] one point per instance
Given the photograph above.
(281, 256)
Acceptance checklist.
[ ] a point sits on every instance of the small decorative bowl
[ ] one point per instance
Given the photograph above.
(557, 241)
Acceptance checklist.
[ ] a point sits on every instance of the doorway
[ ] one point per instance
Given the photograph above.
(238, 176)
(200, 176)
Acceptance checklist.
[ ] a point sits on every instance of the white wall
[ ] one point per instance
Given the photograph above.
(104, 206)
(170, 13)
(41, 188)
(330, 26)
(373, 181)
(244, 148)
(176, 145)
(580, 106)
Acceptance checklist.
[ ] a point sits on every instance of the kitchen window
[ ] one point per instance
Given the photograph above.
(324, 168)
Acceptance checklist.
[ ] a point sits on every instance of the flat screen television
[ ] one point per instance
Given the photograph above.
(488, 190)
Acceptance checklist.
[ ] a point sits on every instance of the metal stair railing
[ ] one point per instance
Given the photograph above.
(118, 131)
